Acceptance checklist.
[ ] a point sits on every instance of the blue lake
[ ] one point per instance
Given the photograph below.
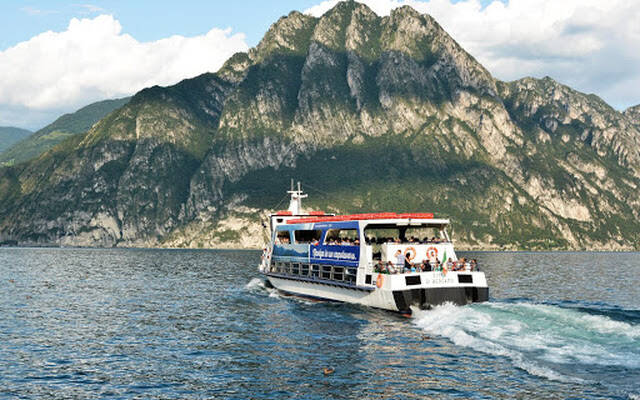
(175, 324)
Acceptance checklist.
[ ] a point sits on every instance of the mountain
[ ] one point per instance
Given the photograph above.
(10, 135)
(633, 114)
(372, 113)
(61, 129)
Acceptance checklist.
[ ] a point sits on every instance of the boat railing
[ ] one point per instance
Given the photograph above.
(391, 268)
(324, 272)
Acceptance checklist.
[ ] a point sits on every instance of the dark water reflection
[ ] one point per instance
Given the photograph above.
(197, 324)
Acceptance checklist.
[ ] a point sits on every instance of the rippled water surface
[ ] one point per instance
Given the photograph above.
(200, 324)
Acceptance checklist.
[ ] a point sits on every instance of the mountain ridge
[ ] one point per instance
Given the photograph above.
(381, 112)
(10, 135)
(56, 132)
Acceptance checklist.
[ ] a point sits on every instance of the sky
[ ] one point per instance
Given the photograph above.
(57, 56)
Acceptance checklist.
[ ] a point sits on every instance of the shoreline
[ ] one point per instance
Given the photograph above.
(460, 249)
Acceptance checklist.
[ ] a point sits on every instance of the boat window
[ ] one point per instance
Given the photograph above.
(377, 235)
(342, 237)
(307, 236)
(282, 237)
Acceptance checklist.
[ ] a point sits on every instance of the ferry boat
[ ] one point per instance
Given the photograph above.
(392, 261)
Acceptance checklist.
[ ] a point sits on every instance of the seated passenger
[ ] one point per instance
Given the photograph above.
(379, 267)
(474, 264)
(426, 265)
(391, 269)
(356, 242)
(449, 264)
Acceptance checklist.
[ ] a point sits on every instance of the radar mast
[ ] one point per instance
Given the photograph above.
(295, 205)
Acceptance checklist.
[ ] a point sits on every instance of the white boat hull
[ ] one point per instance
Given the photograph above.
(393, 293)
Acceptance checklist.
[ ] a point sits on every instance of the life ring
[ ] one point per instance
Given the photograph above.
(379, 281)
(432, 253)
(412, 254)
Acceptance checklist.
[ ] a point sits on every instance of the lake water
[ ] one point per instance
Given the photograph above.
(79, 323)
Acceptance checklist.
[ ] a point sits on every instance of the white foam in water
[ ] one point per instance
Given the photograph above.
(532, 335)
(255, 283)
(606, 325)
(595, 323)
(453, 322)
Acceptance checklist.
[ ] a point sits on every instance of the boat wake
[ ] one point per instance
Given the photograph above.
(259, 285)
(568, 344)
(255, 283)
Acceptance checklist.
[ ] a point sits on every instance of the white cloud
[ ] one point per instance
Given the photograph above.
(57, 72)
(591, 45)
(90, 8)
(33, 11)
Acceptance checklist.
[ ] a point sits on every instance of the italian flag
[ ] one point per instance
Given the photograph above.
(443, 265)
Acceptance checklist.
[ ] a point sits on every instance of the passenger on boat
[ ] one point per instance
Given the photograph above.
(426, 265)
(449, 264)
(391, 268)
(400, 260)
(408, 265)
(474, 264)
(379, 267)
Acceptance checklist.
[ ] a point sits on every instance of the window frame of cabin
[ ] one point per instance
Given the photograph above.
(329, 232)
(282, 233)
(317, 235)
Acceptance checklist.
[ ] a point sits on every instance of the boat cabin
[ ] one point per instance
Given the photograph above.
(347, 248)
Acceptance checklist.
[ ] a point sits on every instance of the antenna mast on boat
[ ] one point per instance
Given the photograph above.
(295, 205)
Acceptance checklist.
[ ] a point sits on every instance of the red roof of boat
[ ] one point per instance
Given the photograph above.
(359, 217)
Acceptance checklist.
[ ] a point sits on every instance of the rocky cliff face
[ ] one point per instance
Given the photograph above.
(379, 113)
(633, 115)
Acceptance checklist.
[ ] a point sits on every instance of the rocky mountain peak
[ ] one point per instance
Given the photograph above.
(555, 111)
(235, 68)
(633, 114)
(289, 35)
(331, 30)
